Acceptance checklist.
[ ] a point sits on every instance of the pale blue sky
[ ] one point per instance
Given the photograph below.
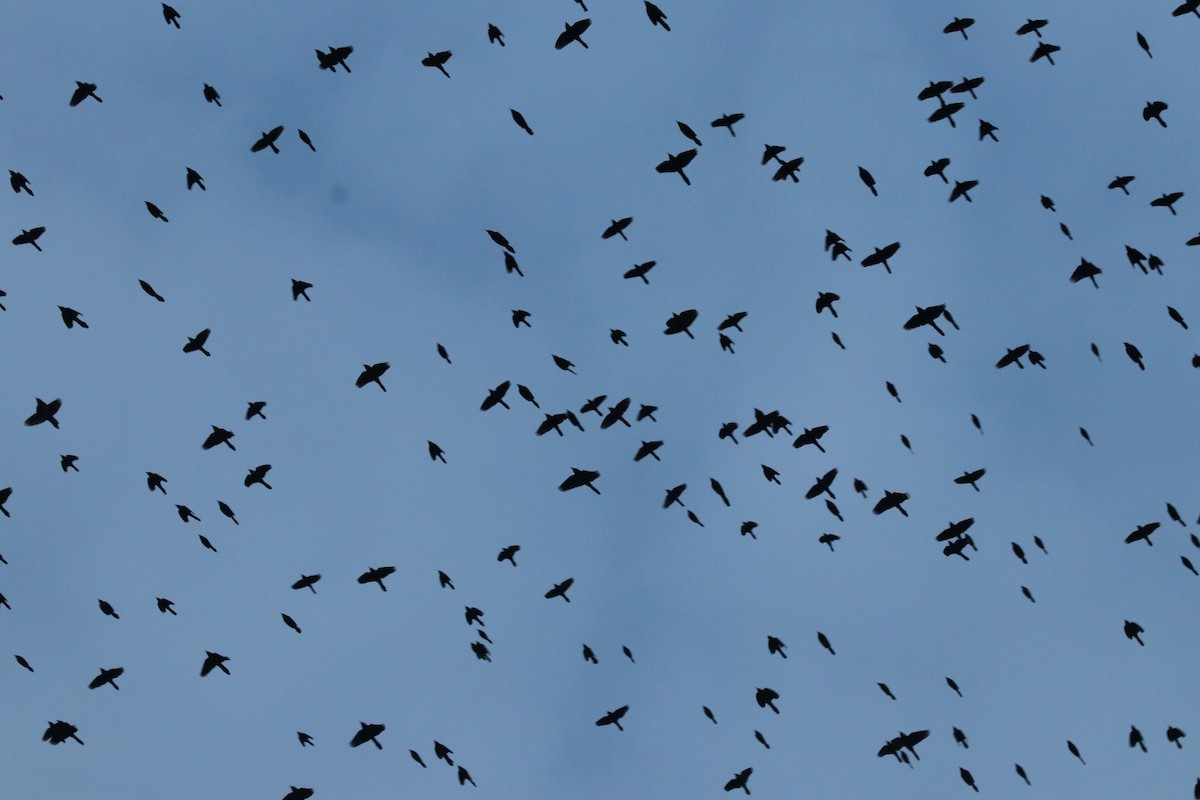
(387, 219)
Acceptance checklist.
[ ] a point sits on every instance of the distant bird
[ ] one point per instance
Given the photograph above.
(938, 167)
(153, 481)
(987, 129)
(967, 778)
(194, 179)
(82, 92)
(579, 477)
(1187, 7)
(19, 183)
(473, 615)
(617, 228)
(267, 139)
(733, 321)
(300, 289)
(766, 698)
(771, 474)
(891, 500)
(165, 606)
(953, 685)
(1044, 50)
(368, 732)
(688, 133)
(495, 35)
(1136, 739)
(881, 256)
(197, 342)
(656, 15)
(1033, 26)
(156, 212)
(564, 364)
(496, 396)
(1135, 355)
(71, 317)
(739, 781)
(214, 660)
(936, 352)
(417, 758)
(947, 113)
(789, 169)
(108, 676)
(58, 732)
(307, 582)
(613, 717)
(520, 120)
(30, 237)
(828, 539)
(376, 575)
(1083, 432)
(676, 162)
(464, 777)
(257, 475)
(640, 271)
(45, 412)
(1086, 271)
(437, 61)
(775, 646)
(883, 687)
(520, 317)
(1174, 735)
(185, 513)
(812, 436)
(1142, 43)
(218, 436)
(825, 300)
(970, 478)
(306, 139)
(891, 389)
(960, 738)
(589, 655)
(211, 95)
(1134, 631)
(291, 623)
(868, 180)
(509, 554)
(1121, 182)
(681, 322)
(618, 336)
(959, 26)
(1167, 201)
(1153, 110)
(1021, 773)
(628, 653)
(560, 590)
(511, 265)
(824, 640)
(1075, 751)
(371, 373)
(708, 713)
(21, 660)
(442, 752)
(170, 15)
(968, 85)
(573, 32)
(748, 528)
(761, 740)
(727, 121)
(720, 490)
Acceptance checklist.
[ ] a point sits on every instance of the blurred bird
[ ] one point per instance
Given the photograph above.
(495, 35)
(291, 623)
(959, 26)
(367, 733)
(676, 162)
(442, 752)
(257, 475)
(371, 373)
(766, 698)
(194, 179)
(197, 342)
(708, 713)
(30, 237)
(825, 643)
(185, 513)
(883, 687)
(1121, 182)
(967, 777)
(640, 271)
(656, 15)
(156, 212)
(45, 412)
(59, 731)
(108, 676)
(71, 317)
(970, 478)
(376, 575)
(211, 95)
(938, 167)
(617, 228)
(579, 477)
(1135, 355)
(727, 121)
(19, 183)
(688, 133)
(987, 129)
(1136, 739)
(82, 92)
(165, 606)
(739, 781)
(1174, 735)
(520, 120)
(953, 685)
(776, 645)
(1033, 26)
(1075, 751)
(438, 61)
(573, 32)
(464, 777)
(218, 436)
(868, 180)
(267, 139)
(21, 660)
(1153, 110)
(1044, 50)
(213, 660)
(509, 553)
(1134, 631)
(300, 289)
(170, 15)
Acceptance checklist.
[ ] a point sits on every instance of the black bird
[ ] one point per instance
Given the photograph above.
(82, 92)
(891, 389)
(728, 431)
(170, 15)
(376, 575)
(21, 660)
(970, 478)
(334, 58)
(45, 412)
(6, 493)
(579, 477)
(613, 717)
(968, 778)
(628, 653)
(1083, 432)
(441, 751)
(891, 500)
(676, 162)
(495, 35)
(860, 487)
(1134, 631)
(1021, 773)
(444, 580)
(776, 645)
(681, 322)
(947, 113)
(824, 640)
(500, 239)
(1044, 50)
(1142, 43)
(617, 228)
(30, 237)
(197, 342)
(1174, 735)
(688, 133)
(720, 490)
(959, 26)
(519, 118)
(473, 615)
(417, 758)
(826, 300)
(257, 475)
(218, 436)
(464, 777)
(19, 183)
(1075, 751)
(1175, 315)
(304, 137)
(1153, 110)
(708, 713)
(299, 793)
(960, 738)
(436, 453)
(1121, 182)
(509, 554)
(438, 61)
(1187, 7)
(789, 169)
(727, 121)
(656, 15)
(527, 395)
(618, 336)
(1086, 270)
(156, 212)
(883, 687)
(185, 513)
(589, 655)
(211, 95)
(640, 270)
(766, 698)
(1135, 355)
(748, 528)
(761, 740)
(881, 256)
(1167, 201)
(828, 539)
(59, 731)
(267, 139)
(868, 180)
(821, 486)
(371, 373)
(812, 436)
(1136, 739)
(496, 396)
(108, 676)
(367, 733)
(563, 364)
(560, 590)
(987, 129)
(573, 32)
(307, 582)
(213, 660)
(936, 352)
(733, 321)
(194, 179)
(519, 315)
(739, 781)
(938, 167)
(71, 317)
(1033, 26)
(300, 289)
(968, 85)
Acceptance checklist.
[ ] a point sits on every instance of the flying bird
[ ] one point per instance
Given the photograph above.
(959, 26)
(1153, 110)
(213, 660)
(196, 343)
(656, 15)
(573, 32)
(438, 61)
(211, 95)
(376, 575)
(82, 92)
(613, 717)
(519, 118)
(727, 121)
(371, 373)
(739, 781)
(30, 237)
(304, 137)
(257, 475)
(676, 162)
(495, 35)
(45, 412)
(560, 590)
(19, 183)
(267, 139)
(688, 133)
(579, 477)
(368, 732)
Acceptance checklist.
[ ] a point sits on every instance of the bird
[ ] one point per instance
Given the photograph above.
(519, 315)
(560, 590)
(1142, 43)
(267, 139)
(1135, 355)
(21, 660)
(987, 129)
(739, 781)
(495, 35)
(218, 436)
(589, 655)
(648, 449)
(1121, 182)
(881, 256)
(83, 91)
(300, 289)
(824, 641)
(676, 162)
(71, 317)
(336, 57)
(1134, 631)
(438, 61)
(368, 732)
(306, 139)
(519, 118)
(766, 697)
(257, 475)
(496, 396)
(213, 660)
(211, 95)
(436, 453)
(500, 239)
(156, 212)
(442, 752)
(1022, 775)
(613, 717)
(727, 121)
(938, 167)
(1153, 111)
(299, 793)
(291, 623)
(640, 271)
(30, 236)
(573, 32)
(959, 26)
(681, 322)
(775, 645)
(1033, 26)
(617, 228)
(1086, 270)
(688, 133)
(825, 300)
(376, 575)
(19, 183)
(656, 15)
(1175, 315)
(1044, 50)
(628, 653)
(371, 373)
(970, 478)
(1136, 739)
(509, 554)
(968, 85)
(59, 731)
(197, 342)
(185, 513)
(195, 179)
(967, 778)
(1075, 751)
(170, 15)
(564, 364)
(868, 180)
(708, 713)
(165, 606)
(417, 758)
(464, 777)
(45, 412)
(1174, 735)
(960, 738)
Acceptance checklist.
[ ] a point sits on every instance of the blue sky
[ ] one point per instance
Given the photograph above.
(387, 220)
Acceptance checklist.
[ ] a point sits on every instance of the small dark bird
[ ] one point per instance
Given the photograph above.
(291, 623)
(970, 478)
(257, 475)
(720, 490)
(197, 342)
(19, 183)
(30, 237)
(218, 436)
(371, 373)
(500, 239)
(509, 554)
(211, 95)
(170, 15)
(947, 113)
(307, 582)
(300, 289)
(153, 481)
(688, 133)
(573, 32)
(495, 35)
(959, 26)
(376, 575)
(968, 85)
(771, 474)
(1153, 110)
(82, 92)
(304, 137)
(579, 477)
(1135, 355)
(108, 676)
(891, 389)
(496, 396)
(881, 256)
(464, 777)
(825, 300)
(473, 615)
(828, 539)
(511, 265)
(708, 713)
(1044, 50)
(628, 653)
(21, 660)
(417, 758)
(1083, 432)
(868, 180)
(563, 364)
(776, 645)
(617, 228)
(185, 513)
(968, 778)
(1174, 735)
(733, 321)
(884, 688)
(560, 590)
(165, 606)
(481, 651)
(213, 660)
(441, 751)
(438, 61)
(938, 167)
(681, 323)
(739, 781)
(1134, 632)
(45, 412)
(640, 271)
(1142, 43)
(156, 212)
(1086, 270)
(676, 162)
(1168, 201)
(367, 733)
(59, 731)
(1121, 182)
(748, 528)
(520, 120)
(436, 453)
(656, 15)
(589, 655)
(1175, 315)
(1075, 751)
(766, 698)
(825, 643)
(613, 717)
(1021, 773)
(267, 139)
(1136, 739)
(727, 121)
(618, 336)
(194, 179)
(1033, 26)
(987, 129)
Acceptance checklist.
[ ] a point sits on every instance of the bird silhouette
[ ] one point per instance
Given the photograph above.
(1033, 26)
(45, 412)
(1134, 631)
(59, 731)
(213, 661)
(1174, 736)
(1075, 751)
(676, 162)
(959, 26)
(438, 61)
(868, 180)
(376, 575)
(739, 781)
(165, 606)
(108, 676)
(519, 118)
(19, 183)
(1135, 355)
(967, 778)
(727, 121)
(613, 717)
(766, 697)
(640, 271)
(1153, 111)
(306, 139)
(211, 95)
(656, 15)
(21, 660)
(368, 732)
(560, 590)
(300, 289)
(82, 92)
(442, 752)
(30, 237)
(307, 582)
(218, 436)
(580, 477)
(267, 139)
(509, 554)
(573, 32)
(1044, 50)
(197, 342)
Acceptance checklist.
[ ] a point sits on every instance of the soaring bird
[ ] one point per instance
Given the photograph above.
(617, 228)
(676, 162)
(560, 590)
(71, 317)
(194, 179)
(108, 676)
(267, 139)
(573, 32)
(30, 237)
(376, 575)
(868, 180)
(58, 732)
(371, 373)
(82, 92)
(959, 26)
(170, 15)
(438, 61)
(688, 133)
(579, 477)
(307, 582)
(1044, 50)
(1033, 26)
(257, 475)
(212, 95)
(336, 57)
(495, 35)
(1153, 110)
(776, 645)
(1134, 631)
(218, 436)
(19, 183)
(213, 660)
(368, 731)
(766, 697)
(509, 554)
(727, 121)
(197, 342)
(45, 412)
(613, 717)
(739, 781)
(300, 289)
(306, 139)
